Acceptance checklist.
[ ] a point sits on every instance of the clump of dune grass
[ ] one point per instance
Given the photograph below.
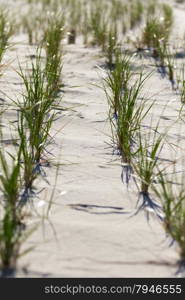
(145, 165)
(156, 36)
(171, 193)
(32, 23)
(6, 31)
(125, 112)
(29, 165)
(170, 62)
(118, 10)
(117, 81)
(136, 13)
(130, 115)
(157, 29)
(52, 43)
(10, 223)
(12, 227)
(36, 116)
(98, 24)
(151, 8)
(111, 47)
(154, 32)
(165, 62)
(168, 16)
(28, 28)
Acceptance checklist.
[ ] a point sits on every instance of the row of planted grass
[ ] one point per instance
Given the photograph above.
(36, 114)
(140, 150)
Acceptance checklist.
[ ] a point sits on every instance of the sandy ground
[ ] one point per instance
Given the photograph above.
(93, 231)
